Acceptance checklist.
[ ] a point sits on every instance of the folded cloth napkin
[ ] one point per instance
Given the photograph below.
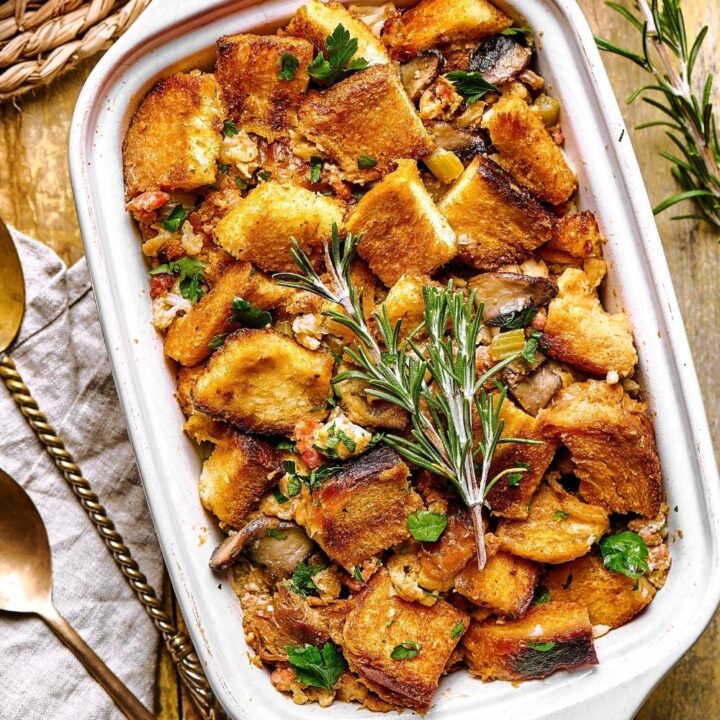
(62, 358)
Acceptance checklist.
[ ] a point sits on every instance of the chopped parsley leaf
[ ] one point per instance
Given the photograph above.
(365, 162)
(471, 85)
(339, 63)
(288, 66)
(190, 271)
(301, 582)
(175, 219)
(316, 668)
(406, 650)
(457, 630)
(229, 129)
(316, 165)
(542, 646)
(425, 525)
(625, 553)
(246, 314)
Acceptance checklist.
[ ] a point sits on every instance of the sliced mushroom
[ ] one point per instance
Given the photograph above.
(279, 552)
(464, 142)
(533, 392)
(418, 73)
(500, 58)
(505, 294)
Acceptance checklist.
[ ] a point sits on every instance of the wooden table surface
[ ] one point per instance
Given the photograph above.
(35, 196)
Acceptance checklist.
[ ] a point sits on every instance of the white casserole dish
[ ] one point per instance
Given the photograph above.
(177, 35)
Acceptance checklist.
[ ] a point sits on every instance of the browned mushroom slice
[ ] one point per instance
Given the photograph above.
(505, 295)
(533, 392)
(500, 58)
(464, 142)
(290, 545)
(417, 74)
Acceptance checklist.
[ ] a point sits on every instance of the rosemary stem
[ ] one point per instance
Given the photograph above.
(479, 527)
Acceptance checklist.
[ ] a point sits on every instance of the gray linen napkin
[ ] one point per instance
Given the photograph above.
(62, 357)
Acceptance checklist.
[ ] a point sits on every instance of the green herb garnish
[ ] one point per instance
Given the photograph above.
(246, 314)
(287, 445)
(301, 582)
(281, 499)
(457, 630)
(517, 31)
(406, 650)
(229, 129)
(288, 66)
(365, 162)
(223, 167)
(276, 534)
(542, 646)
(339, 64)
(625, 553)
(425, 525)
(520, 318)
(190, 271)
(316, 165)
(240, 184)
(316, 668)
(541, 596)
(264, 175)
(531, 345)
(357, 574)
(315, 478)
(218, 341)
(175, 219)
(560, 515)
(471, 85)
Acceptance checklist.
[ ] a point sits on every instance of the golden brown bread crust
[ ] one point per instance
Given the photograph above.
(506, 584)
(378, 622)
(496, 222)
(559, 527)
(575, 238)
(402, 229)
(441, 561)
(611, 598)
(234, 478)
(405, 302)
(261, 227)
(505, 652)
(198, 425)
(362, 510)
(262, 381)
(257, 100)
(513, 501)
(612, 443)
(174, 136)
(369, 114)
(315, 20)
(437, 22)
(581, 333)
(188, 339)
(528, 152)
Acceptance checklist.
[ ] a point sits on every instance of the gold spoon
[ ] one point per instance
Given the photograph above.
(26, 587)
(12, 309)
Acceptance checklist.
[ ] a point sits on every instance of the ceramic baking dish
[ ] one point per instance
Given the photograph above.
(177, 35)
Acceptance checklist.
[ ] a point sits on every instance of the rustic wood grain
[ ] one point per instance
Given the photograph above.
(35, 196)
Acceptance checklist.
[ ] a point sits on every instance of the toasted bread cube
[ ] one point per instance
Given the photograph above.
(496, 222)
(260, 229)
(368, 410)
(441, 561)
(315, 20)
(198, 425)
(550, 637)
(559, 527)
(506, 584)
(367, 114)
(235, 477)
(581, 333)
(379, 621)
(405, 302)
(361, 511)
(257, 100)
(188, 339)
(611, 598)
(513, 500)
(432, 22)
(174, 136)
(402, 229)
(612, 443)
(262, 381)
(528, 152)
(575, 238)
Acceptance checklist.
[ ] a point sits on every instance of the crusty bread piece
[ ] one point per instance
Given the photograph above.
(513, 501)
(188, 339)
(198, 425)
(496, 222)
(580, 332)
(379, 622)
(260, 228)
(441, 561)
(174, 136)
(433, 22)
(262, 381)
(559, 527)
(368, 114)
(550, 637)
(234, 478)
(506, 584)
(528, 152)
(402, 229)
(361, 510)
(612, 443)
(575, 238)
(316, 19)
(612, 599)
(405, 302)
(257, 100)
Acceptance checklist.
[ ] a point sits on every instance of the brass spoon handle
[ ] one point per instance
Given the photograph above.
(130, 706)
(178, 644)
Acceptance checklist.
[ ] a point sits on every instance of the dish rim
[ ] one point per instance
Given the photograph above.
(163, 16)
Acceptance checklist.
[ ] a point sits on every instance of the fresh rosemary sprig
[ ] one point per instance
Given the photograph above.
(692, 124)
(445, 409)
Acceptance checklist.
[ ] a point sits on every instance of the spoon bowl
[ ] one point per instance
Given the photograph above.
(12, 289)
